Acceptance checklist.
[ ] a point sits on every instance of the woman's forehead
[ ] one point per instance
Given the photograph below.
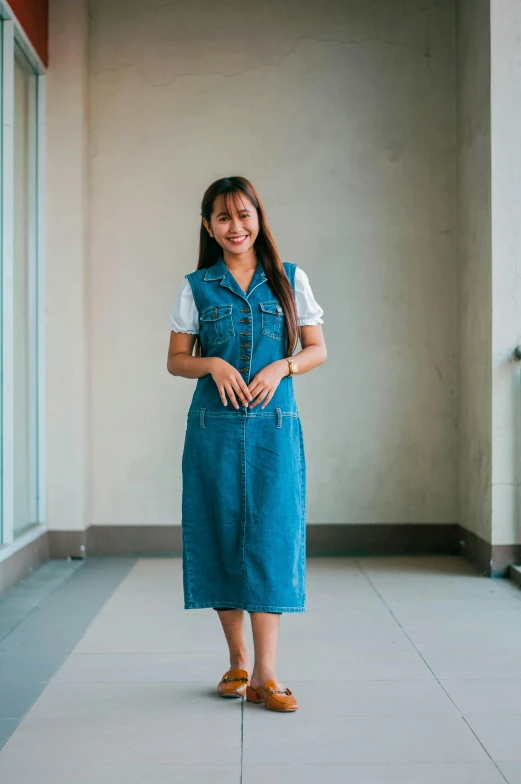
(232, 201)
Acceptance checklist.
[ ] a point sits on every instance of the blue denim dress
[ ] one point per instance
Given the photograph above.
(244, 471)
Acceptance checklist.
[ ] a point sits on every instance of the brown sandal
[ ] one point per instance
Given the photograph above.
(274, 699)
(233, 683)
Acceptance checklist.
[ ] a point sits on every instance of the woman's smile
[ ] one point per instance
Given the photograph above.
(238, 240)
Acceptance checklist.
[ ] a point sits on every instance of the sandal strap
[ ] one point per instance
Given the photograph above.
(227, 679)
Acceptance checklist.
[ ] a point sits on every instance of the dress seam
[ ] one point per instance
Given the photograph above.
(244, 498)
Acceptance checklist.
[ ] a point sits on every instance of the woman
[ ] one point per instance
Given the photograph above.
(243, 465)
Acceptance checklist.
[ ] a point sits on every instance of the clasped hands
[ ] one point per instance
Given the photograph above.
(260, 389)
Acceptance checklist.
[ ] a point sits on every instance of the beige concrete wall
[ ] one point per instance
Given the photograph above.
(489, 167)
(475, 295)
(68, 300)
(506, 276)
(342, 114)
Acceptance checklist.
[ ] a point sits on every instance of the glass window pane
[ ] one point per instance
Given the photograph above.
(25, 375)
(1, 272)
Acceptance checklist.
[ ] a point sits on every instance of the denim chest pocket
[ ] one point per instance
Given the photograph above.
(272, 319)
(217, 323)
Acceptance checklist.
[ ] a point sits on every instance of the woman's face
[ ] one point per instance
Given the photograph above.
(236, 232)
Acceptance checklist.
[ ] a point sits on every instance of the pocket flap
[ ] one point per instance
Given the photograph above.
(272, 307)
(216, 312)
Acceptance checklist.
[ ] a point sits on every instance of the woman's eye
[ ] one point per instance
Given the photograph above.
(244, 216)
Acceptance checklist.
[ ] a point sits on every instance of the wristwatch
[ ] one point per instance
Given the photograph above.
(293, 367)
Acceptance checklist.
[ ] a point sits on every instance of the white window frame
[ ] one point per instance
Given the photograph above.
(12, 32)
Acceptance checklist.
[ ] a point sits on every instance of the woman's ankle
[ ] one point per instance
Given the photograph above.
(240, 660)
(261, 678)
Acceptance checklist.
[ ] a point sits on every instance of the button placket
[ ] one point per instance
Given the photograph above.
(245, 357)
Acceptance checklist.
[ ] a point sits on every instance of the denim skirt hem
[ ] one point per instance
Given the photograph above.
(247, 607)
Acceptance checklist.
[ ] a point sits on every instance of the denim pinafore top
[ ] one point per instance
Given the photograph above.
(247, 330)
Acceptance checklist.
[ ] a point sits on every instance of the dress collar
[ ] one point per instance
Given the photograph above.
(220, 270)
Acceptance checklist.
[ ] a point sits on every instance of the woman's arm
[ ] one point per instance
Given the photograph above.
(265, 382)
(180, 361)
(314, 351)
(228, 380)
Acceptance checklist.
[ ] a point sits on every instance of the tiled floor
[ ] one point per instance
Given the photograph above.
(408, 671)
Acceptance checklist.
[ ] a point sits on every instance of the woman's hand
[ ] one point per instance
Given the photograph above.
(266, 381)
(229, 381)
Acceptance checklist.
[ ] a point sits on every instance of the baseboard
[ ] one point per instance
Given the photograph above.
(492, 560)
(515, 573)
(327, 539)
(67, 544)
(23, 561)
(149, 540)
(381, 539)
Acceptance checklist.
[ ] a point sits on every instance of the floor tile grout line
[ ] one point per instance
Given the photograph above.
(375, 589)
(243, 699)
(181, 717)
(301, 680)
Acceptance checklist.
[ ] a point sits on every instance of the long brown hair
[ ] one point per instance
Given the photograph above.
(265, 248)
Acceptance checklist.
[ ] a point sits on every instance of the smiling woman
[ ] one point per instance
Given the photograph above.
(243, 466)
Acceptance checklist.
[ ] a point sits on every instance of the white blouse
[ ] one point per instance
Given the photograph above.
(185, 316)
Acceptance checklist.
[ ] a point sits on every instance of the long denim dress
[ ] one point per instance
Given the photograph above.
(244, 471)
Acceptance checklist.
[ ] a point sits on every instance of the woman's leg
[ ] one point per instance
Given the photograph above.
(233, 626)
(265, 628)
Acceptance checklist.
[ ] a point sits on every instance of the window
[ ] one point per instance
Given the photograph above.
(21, 339)
(25, 370)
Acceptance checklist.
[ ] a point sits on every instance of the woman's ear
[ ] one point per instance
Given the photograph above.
(207, 227)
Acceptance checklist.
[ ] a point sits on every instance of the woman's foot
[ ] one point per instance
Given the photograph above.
(274, 695)
(233, 683)
(255, 680)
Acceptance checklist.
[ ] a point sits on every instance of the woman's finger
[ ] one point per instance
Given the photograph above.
(259, 396)
(255, 383)
(270, 395)
(244, 386)
(231, 394)
(222, 395)
(238, 389)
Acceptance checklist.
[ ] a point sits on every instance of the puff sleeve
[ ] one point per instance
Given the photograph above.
(185, 316)
(308, 310)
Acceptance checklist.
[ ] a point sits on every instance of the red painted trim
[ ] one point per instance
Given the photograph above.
(33, 15)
